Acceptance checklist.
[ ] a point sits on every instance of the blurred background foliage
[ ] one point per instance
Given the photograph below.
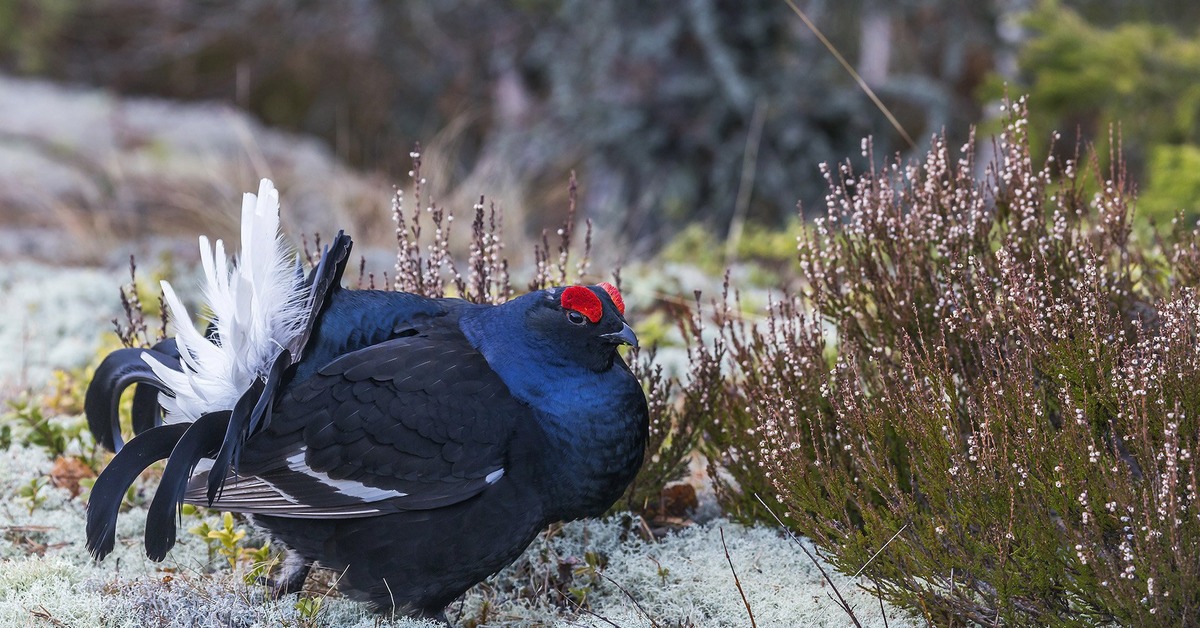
(1087, 72)
(654, 104)
(666, 110)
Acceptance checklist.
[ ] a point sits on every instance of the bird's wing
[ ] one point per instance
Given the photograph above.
(415, 422)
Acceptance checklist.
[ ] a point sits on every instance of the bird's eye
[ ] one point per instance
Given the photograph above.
(575, 317)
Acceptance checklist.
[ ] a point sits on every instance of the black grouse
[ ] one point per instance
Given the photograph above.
(417, 445)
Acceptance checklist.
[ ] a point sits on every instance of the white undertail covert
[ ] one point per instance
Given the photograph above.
(257, 305)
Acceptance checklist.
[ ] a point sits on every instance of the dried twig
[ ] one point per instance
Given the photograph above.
(736, 581)
(841, 601)
(631, 599)
(45, 615)
(879, 597)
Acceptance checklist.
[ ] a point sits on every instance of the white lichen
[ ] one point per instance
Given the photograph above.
(683, 579)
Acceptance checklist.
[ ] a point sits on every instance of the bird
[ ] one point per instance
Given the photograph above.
(415, 445)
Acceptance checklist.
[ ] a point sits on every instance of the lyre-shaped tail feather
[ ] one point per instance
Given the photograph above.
(248, 413)
(119, 370)
(201, 440)
(105, 499)
(217, 388)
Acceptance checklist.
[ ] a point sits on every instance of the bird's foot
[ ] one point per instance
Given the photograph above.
(292, 575)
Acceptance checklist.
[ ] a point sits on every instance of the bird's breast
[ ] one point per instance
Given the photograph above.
(592, 455)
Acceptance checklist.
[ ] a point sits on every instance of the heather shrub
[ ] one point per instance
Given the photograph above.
(985, 398)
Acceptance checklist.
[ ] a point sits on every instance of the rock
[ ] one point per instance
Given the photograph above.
(88, 177)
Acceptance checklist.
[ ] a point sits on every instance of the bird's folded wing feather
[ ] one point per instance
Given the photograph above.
(416, 422)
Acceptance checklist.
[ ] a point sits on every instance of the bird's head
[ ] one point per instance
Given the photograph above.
(583, 323)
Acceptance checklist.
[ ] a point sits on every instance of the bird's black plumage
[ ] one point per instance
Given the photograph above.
(418, 445)
(201, 440)
(119, 370)
(147, 448)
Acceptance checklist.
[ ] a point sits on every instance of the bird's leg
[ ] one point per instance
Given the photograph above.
(293, 573)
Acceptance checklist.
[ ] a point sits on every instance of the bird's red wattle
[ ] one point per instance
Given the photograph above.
(615, 295)
(584, 301)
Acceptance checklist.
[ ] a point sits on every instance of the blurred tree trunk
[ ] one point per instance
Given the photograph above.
(875, 44)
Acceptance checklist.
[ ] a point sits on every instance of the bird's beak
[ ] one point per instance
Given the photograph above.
(623, 337)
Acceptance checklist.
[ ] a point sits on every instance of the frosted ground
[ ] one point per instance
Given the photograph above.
(52, 318)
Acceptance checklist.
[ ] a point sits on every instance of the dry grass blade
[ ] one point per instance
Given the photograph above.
(583, 609)
(841, 601)
(746, 184)
(736, 581)
(880, 550)
(853, 73)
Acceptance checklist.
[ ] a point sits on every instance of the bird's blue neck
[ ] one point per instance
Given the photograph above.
(534, 371)
(594, 422)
